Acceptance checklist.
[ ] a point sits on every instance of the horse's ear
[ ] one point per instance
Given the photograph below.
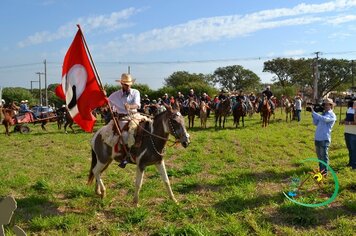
(168, 107)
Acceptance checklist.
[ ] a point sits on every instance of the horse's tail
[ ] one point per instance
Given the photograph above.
(93, 164)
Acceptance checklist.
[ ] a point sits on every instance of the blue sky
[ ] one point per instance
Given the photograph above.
(156, 38)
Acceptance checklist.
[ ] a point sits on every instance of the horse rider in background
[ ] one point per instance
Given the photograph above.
(268, 93)
(205, 98)
(241, 98)
(222, 97)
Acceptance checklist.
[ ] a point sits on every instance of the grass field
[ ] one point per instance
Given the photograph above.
(227, 182)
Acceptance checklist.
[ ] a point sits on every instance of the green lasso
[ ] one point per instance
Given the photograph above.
(328, 201)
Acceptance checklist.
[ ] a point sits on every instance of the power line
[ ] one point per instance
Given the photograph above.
(186, 61)
(20, 65)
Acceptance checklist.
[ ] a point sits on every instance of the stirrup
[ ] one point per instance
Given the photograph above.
(123, 164)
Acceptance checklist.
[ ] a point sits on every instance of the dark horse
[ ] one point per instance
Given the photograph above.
(150, 152)
(63, 117)
(193, 110)
(239, 111)
(222, 110)
(265, 112)
(44, 118)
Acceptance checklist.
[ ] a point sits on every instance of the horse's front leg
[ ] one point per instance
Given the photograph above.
(138, 184)
(162, 170)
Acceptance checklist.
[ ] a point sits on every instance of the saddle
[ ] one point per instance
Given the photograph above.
(131, 156)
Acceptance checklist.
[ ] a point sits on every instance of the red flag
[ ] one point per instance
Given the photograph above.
(80, 88)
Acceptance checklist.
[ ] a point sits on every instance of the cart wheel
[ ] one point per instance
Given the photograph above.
(24, 129)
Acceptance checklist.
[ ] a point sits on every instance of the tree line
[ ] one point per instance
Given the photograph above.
(290, 77)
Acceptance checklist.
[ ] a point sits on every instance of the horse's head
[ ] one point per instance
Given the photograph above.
(174, 123)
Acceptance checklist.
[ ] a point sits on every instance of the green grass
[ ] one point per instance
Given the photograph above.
(227, 182)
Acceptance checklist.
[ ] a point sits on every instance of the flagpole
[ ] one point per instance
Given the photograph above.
(102, 89)
(91, 60)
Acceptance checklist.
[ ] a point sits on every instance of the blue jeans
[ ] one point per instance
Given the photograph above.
(350, 140)
(297, 112)
(322, 148)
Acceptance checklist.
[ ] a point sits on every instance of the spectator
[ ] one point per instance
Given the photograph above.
(350, 133)
(324, 124)
(298, 106)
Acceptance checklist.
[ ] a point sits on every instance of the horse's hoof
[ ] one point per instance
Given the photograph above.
(135, 203)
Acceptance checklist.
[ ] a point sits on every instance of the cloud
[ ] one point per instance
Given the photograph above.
(111, 22)
(216, 28)
(341, 19)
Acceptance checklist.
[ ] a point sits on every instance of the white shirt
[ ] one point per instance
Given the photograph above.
(298, 104)
(350, 129)
(118, 100)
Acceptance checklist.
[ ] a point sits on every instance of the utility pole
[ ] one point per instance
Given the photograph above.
(316, 77)
(39, 86)
(45, 74)
(129, 70)
(352, 72)
(33, 81)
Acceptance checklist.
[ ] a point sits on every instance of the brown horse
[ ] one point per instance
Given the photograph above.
(239, 111)
(192, 111)
(223, 109)
(8, 116)
(8, 113)
(265, 112)
(150, 152)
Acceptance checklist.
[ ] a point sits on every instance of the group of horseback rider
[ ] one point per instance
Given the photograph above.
(126, 104)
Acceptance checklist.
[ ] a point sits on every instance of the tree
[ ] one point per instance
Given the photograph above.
(236, 78)
(333, 74)
(16, 94)
(182, 81)
(281, 67)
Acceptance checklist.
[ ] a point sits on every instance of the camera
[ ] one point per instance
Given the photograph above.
(316, 107)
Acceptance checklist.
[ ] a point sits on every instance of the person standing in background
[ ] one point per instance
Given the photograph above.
(350, 133)
(298, 106)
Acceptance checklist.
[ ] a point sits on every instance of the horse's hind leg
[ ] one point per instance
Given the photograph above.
(162, 170)
(43, 126)
(99, 186)
(138, 184)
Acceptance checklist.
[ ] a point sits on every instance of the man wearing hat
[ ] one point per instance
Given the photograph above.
(125, 102)
(324, 123)
(268, 93)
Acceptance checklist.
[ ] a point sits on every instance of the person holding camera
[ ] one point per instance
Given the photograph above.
(324, 123)
(350, 133)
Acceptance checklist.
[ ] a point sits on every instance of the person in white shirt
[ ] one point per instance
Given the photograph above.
(350, 133)
(125, 103)
(298, 106)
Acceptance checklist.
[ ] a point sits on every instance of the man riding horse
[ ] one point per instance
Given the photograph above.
(268, 93)
(125, 103)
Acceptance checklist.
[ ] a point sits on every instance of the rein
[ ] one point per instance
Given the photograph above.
(152, 134)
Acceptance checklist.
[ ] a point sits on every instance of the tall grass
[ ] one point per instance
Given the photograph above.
(227, 182)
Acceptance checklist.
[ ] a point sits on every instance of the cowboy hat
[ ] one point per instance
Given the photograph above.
(329, 101)
(126, 79)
